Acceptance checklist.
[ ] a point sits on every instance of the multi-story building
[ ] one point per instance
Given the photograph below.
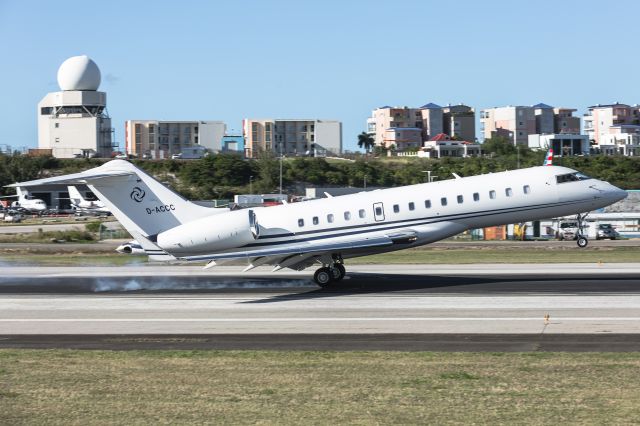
(563, 144)
(513, 122)
(518, 122)
(74, 121)
(613, 128)
(162, 139)
(397, 126)
(292, 137)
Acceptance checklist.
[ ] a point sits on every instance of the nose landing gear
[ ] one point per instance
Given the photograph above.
(582, 240)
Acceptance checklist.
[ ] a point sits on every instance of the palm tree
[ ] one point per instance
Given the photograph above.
(366, 141)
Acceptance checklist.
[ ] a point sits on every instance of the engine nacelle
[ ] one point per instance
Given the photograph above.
(212, 233)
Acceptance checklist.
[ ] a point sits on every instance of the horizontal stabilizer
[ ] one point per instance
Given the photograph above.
(154, 252)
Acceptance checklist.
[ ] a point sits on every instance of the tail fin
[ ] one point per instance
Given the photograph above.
(139, 202)
(548, 159)
(75, 195)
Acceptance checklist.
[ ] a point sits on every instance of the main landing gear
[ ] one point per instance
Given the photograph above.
(582, 240)
(328, 275)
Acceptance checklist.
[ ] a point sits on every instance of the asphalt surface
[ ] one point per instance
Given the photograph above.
(590, 307)
(335, 342)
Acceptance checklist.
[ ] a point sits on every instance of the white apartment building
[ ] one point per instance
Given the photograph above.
(292, 137)
(161, 139)
(563, 144)
(613, 128)
(74, 121)
(517, 123)
(387, 123)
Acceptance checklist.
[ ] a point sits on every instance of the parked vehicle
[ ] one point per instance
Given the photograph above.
(606, 231)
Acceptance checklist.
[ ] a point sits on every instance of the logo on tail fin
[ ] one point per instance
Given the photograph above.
(137, 194)
(548, 160)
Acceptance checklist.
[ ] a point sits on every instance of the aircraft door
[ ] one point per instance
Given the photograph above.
(378, 212)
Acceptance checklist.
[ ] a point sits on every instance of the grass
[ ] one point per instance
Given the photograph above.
(78, 235)
(504, 254)
(249, 387)
(70, 259)
(427, 255)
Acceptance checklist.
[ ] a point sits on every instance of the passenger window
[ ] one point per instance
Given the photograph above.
(396, 208)
(412, 206)
(508, 192)
(362, 214)
(526, 189)
(378, 211)
(460, 199)
(347, 215)
(330, 218)
(443, 201)
(300, 223)
(476, 196)
(427, 204)
(492, 195)
(316, 220)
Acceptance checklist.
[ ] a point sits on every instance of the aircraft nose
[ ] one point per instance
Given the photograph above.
(614, 193)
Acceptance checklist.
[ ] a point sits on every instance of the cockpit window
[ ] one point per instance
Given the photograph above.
(571, 177)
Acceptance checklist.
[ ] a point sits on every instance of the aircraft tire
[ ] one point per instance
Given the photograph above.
(323, 277)
(582, 242)
(338, 271)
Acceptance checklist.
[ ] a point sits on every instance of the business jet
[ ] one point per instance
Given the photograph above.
(328, 231)
(26, 201)
(132, 247)
(82, 205)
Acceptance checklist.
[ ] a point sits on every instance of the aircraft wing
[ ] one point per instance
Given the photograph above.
(82, 177)
(288, 255)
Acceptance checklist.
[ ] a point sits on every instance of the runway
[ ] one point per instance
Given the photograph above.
(379, 306)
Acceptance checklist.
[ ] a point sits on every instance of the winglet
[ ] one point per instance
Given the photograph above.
(548, 160)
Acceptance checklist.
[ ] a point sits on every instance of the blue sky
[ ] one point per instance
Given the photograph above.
(226, 60)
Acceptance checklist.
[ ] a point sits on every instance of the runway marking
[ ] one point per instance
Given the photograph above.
(296, 319)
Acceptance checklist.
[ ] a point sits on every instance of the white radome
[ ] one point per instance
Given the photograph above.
(79, 73)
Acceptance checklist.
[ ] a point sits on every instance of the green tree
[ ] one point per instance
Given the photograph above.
(499, 145)
(365, 141)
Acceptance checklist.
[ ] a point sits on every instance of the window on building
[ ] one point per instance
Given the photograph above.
(427, 204)
(57, 139)
(330, 218)
(526, 189)
(476, 196)
(396, 208)
(316, 220)
(46, 110)
(57, 125)
(362, 213)
(508, 192)
(492, 194)
(300, 223)
(412, 206)
(347, 215)
(443, 201)
(460, 199)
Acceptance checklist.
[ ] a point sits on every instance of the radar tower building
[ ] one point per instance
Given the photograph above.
(74, 121)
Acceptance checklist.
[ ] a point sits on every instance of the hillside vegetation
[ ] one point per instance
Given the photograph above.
(222, 175)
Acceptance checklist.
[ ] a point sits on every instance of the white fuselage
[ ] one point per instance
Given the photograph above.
(432, 211)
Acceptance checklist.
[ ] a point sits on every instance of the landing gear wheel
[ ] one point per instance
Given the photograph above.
(323, 277)
(582, 242)
(338, 272)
